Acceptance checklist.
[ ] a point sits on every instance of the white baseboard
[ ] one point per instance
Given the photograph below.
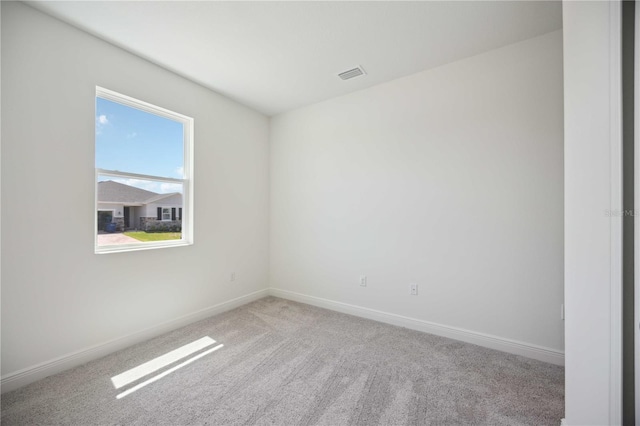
(494, 342)
(30, 374)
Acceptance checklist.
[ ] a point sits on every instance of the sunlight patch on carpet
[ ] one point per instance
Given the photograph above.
(160, 362)
(169, 371)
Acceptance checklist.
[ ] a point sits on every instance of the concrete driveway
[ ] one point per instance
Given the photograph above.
(115, 238)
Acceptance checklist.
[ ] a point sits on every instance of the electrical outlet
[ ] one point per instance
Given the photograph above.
(232, 277)
(363, 280)
(413, 289)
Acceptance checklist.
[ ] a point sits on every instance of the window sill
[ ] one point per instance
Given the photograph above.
(123, 248)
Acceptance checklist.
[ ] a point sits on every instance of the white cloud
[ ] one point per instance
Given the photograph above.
(147, 185)
(132, 135)
(101, 121)
(170, 187)
(180, 171)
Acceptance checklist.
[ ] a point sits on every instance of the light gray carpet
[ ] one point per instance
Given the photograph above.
(286, 363)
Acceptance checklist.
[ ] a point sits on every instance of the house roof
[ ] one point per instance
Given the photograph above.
(115, 192)
(160, 197)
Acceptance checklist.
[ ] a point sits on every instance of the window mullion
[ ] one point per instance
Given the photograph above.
(117, 173)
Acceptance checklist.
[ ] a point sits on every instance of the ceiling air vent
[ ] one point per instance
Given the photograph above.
(355, 72)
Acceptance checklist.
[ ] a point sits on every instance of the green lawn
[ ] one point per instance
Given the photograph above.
(155, 236)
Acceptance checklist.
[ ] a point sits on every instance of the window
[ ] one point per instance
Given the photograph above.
(144, 175)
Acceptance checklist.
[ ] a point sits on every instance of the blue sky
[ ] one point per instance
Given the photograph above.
(130, 140)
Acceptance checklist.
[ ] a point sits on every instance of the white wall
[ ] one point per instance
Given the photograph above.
(592, 276)
(110, 206)
(58, 297)
(451, 178)
(151, 210)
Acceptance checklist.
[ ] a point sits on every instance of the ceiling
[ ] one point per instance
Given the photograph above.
(278, 56)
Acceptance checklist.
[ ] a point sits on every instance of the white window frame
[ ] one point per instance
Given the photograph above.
(169, 213)
(186, 181)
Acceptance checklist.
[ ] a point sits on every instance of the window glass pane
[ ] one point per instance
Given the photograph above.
(137, 210)
(141, 186)
(134, 141)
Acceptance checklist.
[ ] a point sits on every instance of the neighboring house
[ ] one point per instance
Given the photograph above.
(134, 208)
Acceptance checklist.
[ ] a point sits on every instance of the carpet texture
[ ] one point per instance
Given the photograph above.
(286, 363)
